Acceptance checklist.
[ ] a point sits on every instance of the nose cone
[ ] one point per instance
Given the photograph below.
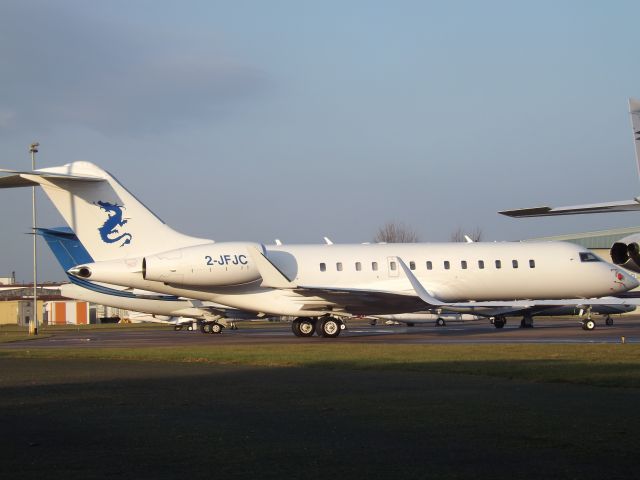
(626, 280)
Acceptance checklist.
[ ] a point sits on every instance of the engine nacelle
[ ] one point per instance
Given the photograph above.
(215, 264)
(626, 252)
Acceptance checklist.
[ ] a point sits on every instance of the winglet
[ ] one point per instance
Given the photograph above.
(271, 276)
(425, 296)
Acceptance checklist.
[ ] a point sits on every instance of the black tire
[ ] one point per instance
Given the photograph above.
(608, 321)
(329, 327)
(526, 322)
(307, 327)
(411, 324)
(499, 322)
(440, 322)
(215, 328)
(588, 324)
(295, 327)
(190, 327)
(206, 328)
(177, 328)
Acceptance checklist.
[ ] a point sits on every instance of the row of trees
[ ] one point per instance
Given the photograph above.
(398, 232)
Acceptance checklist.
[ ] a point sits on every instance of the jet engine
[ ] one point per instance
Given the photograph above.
(215, 264)
(626, 252)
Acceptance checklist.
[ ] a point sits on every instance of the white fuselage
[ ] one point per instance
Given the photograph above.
(451, 272)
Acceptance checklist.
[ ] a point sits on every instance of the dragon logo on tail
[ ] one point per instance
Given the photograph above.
(109, 231)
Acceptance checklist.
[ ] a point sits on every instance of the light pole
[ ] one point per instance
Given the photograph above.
(33, 325)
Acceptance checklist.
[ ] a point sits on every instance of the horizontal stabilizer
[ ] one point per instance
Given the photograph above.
(16, 178)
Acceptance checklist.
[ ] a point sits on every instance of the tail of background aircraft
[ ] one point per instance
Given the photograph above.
(634, 110)
(65, 246)
(109, 221)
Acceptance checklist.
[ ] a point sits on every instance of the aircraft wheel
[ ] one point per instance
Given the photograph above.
(411, 324)
(215, 328)
(499, 322)
(190, 327)
(588, 324)
(307, 327)
(608, 320)
(295, 327)
(329, 327)
(177, 328)
(206, 328)
(526, 322)
(440, 322)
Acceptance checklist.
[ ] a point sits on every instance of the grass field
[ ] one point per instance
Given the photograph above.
(596, 365)
(322, 410)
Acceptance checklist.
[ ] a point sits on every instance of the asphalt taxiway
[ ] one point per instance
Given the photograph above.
(551, 330)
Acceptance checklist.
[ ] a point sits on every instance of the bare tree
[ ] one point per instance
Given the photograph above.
(395, 232)
(460, 235)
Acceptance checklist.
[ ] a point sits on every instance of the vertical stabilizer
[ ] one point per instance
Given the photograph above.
(634, 110)
(109, 221)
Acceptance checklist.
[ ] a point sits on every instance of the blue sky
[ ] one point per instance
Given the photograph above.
(253, 120)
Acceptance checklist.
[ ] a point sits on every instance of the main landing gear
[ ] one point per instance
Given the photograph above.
(588, 324)
(328, 327)
(499, 322)
(214, 328)
(526, 322)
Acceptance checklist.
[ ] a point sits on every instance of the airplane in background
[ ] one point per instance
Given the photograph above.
(154, 307)
(498, 316)
(322, 285)
(626, 251)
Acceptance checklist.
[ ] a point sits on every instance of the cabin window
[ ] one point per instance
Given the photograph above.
(323, 267)
(480, 264)
(532, 264)
(393, 266)
(374, 266)
(358, 266)
(514, 263)
(588, 257)
(463, 264)
(429, 265)
(339, 266)
(498, 264)
(446, 265)
(412, 265)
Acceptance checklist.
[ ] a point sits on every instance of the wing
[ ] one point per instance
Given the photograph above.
(621, 206)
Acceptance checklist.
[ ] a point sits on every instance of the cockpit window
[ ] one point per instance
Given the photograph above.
(588, 257)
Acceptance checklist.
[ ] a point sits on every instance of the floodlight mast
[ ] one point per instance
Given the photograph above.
(33, 324)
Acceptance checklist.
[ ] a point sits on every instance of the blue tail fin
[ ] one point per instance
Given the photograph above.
(66, 246)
